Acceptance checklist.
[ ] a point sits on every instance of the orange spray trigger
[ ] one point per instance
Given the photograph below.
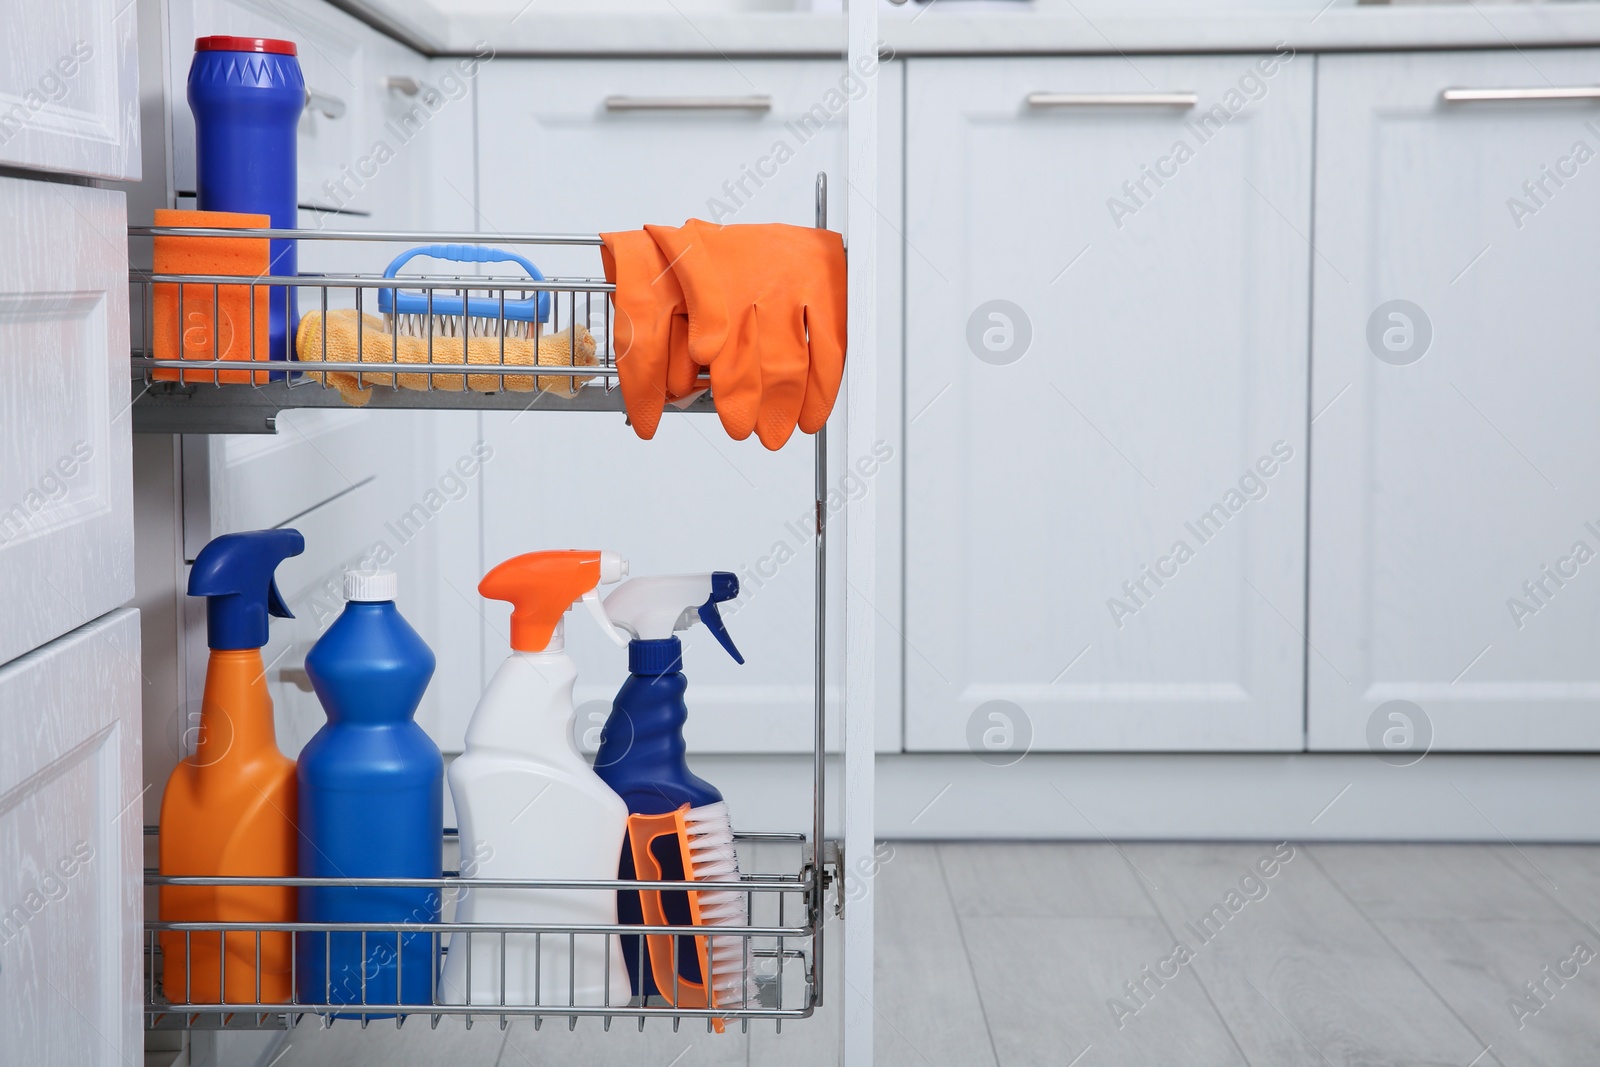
(542, 586)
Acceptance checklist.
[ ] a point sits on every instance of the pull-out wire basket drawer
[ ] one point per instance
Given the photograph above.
(784, 909)
(203, 359)
(424, 362)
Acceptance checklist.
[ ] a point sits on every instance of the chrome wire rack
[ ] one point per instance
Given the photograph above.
(440, 369)
(181, 320)
(785, 912)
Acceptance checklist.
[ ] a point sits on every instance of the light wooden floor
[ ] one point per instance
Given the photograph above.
(1018, 954)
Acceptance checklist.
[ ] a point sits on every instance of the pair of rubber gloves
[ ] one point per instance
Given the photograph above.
(761, 307)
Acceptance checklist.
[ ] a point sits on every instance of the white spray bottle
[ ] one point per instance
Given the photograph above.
(530, 806)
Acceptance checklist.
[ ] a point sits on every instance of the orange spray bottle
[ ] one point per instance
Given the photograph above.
(229, 809)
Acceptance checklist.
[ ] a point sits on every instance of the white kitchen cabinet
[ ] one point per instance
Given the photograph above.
(1455, 449)
(555, 156)
(1106, 359)
(66, 501)
(69, 88)
(72, 837)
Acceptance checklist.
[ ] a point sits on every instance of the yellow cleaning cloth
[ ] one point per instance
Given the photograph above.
(377, 346)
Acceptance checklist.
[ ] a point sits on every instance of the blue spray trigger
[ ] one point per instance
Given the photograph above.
(724, 586)
(713, 620)
(234, 572)
(275, 604)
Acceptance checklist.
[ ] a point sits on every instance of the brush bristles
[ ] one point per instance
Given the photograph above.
(456, 326)
(712, 859)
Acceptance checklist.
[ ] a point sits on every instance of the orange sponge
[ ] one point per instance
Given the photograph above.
(215, 320)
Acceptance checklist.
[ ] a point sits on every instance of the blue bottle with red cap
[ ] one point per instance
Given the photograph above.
(246, 94)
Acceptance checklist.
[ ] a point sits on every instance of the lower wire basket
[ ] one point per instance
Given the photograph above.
(782, 980)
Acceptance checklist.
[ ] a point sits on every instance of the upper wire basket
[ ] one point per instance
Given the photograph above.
(202, 359)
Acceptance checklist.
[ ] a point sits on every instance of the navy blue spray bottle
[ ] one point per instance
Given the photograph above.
(642, 755)
(371, 806)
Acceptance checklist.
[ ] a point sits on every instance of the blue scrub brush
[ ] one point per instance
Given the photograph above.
(443, 313)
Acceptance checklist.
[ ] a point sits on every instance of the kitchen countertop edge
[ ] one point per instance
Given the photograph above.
(929, 32)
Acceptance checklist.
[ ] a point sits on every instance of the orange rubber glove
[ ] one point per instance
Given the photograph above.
(651, 328)
(766, 307)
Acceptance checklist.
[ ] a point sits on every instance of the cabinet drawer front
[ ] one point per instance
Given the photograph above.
(69, 88)
(1457, 457)
(66, 497)
(71, 832)
(599, 164)
(1105, 402)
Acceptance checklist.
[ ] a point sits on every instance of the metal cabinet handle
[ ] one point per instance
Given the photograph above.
(754, 102)
(325, 103)
(1113, 99)
(1478, 96)
(403, 83)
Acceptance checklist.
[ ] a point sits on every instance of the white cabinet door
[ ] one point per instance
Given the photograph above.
(69, 88)
(66, 475)
(1457, 455)
(555, 157)
(1105, 404)
(71, 848)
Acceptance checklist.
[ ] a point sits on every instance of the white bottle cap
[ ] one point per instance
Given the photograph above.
(370, 586)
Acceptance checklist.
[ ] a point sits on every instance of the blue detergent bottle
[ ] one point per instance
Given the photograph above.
(246, 94)
(642, 754)
(371, 806)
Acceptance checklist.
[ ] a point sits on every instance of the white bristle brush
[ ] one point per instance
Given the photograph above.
(708, 831)
(449, 313)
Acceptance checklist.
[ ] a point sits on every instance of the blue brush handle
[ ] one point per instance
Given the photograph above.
(404, 303)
